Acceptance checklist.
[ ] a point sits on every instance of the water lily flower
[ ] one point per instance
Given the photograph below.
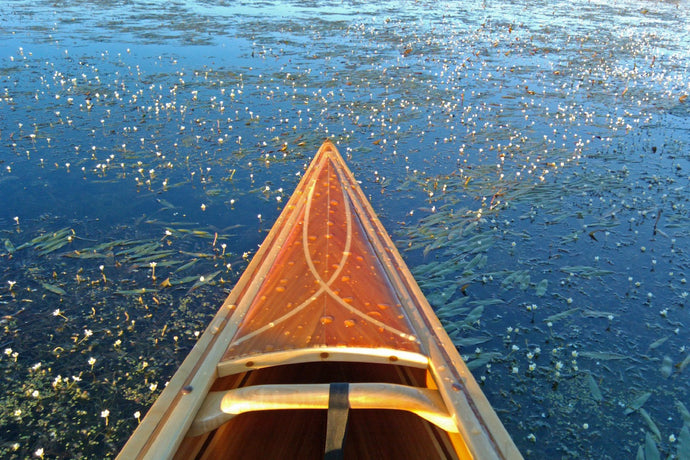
(105, 413)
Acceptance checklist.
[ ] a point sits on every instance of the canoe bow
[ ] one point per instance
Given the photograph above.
(326, 285)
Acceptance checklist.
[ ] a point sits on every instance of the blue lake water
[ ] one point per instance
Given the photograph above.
(531, 161)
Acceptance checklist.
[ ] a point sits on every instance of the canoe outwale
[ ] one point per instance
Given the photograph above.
(326, 347)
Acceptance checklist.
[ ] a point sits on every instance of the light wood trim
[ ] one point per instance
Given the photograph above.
(221, 406)
(340, 354)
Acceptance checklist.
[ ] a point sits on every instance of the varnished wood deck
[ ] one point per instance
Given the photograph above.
(327, 298)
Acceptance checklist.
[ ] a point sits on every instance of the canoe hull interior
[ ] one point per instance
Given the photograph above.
(371, 434)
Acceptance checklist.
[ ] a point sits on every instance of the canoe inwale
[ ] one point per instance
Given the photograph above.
(326, 299)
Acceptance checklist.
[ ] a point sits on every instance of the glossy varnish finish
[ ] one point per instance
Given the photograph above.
(326, 287)
(327, 298)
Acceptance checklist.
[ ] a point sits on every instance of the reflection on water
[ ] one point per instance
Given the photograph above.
(531, 160)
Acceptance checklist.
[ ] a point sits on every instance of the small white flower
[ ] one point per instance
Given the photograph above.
(671, 438)
(105, 413)
(92, 361)
(39, 452)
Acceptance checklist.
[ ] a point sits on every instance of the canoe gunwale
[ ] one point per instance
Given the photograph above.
(316, 354)
(170, 418)
(457, 386)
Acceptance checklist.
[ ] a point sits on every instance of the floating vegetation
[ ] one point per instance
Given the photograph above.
(532, 164)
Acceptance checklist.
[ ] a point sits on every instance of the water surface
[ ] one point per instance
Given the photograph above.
(530, 160)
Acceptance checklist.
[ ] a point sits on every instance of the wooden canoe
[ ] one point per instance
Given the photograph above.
(325, 347)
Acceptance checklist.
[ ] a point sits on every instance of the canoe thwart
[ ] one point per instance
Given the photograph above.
(221, 406)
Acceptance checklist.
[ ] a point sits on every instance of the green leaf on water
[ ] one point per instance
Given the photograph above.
(473, 316)
(594, 388)
(658, 343)
(684, 412)
(541, 287)
(9, 247)
(667, 367)
(585, 272)
(637, 403)
(650, 423)
(135, 291)
(54, 289)
(603, 355)
(204, 280)
(470, 341)
(684, 443)
(651, 451)
(485, 358)
(596, 314)
(561, 315)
